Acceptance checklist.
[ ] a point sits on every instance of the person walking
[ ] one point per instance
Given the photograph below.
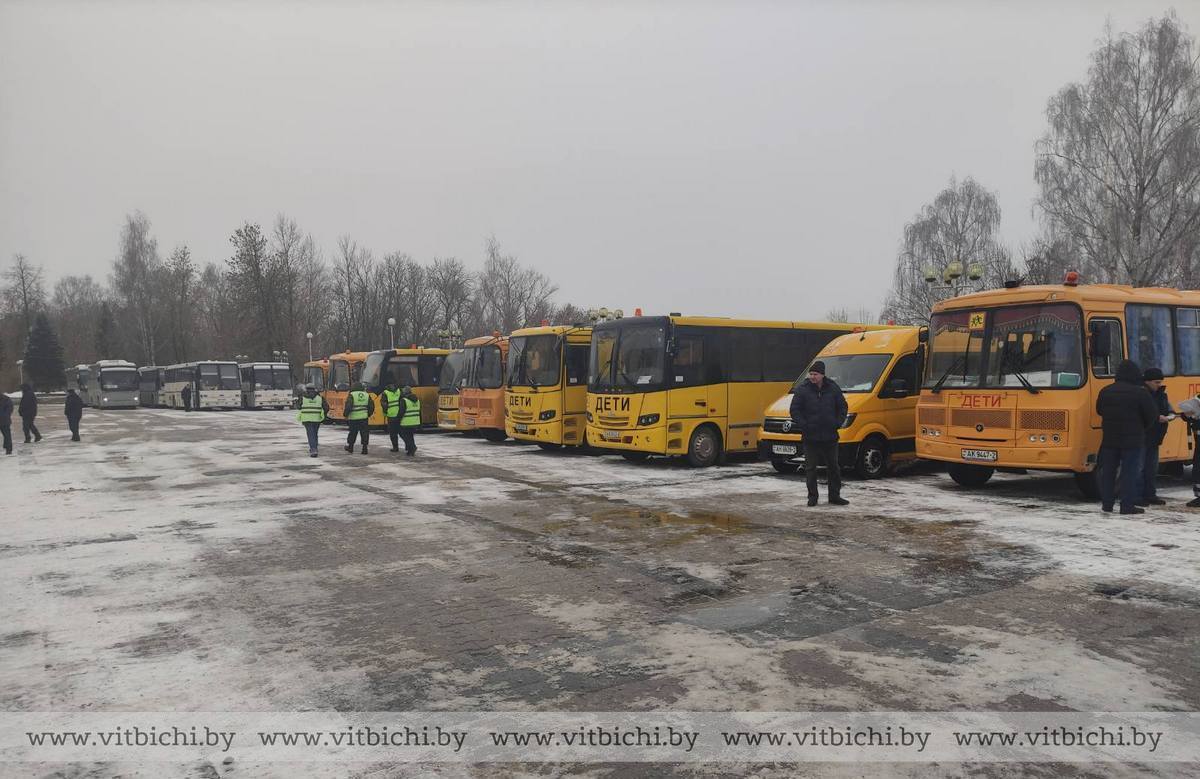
(410, 420)
(6, 409)
(1153, 379)
(392, 404)
(73, 409)
(313, 411)
(1126, 412)
(818, 410)
(1190, 410)
(359, 408)
(186, 392)
(28, 410)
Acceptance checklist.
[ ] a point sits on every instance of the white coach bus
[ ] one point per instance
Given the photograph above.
(213, 384)
(113, 384)
(80, 378)
(266, 384)
(150, 384)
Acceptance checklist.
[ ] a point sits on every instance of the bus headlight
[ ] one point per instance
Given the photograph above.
(545, 415)
(645, 420)
(588, 414)
(849, 421)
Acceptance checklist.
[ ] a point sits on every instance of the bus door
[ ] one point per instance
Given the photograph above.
(1106, 347)
(694, 382)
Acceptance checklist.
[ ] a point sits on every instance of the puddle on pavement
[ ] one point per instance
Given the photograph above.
(693, 524)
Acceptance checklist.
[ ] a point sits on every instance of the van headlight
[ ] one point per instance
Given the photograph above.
(645, 420)
(849, 421)
(545, 415)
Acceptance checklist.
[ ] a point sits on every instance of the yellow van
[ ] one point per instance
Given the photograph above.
(879, 372)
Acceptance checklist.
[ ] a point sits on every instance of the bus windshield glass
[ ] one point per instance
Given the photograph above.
(852, 372)
(314, 376)
(228, 372)
(487, 372)
(210, 377)
(116, 379)
(955, 349)
(630, 358)
(534, 360)
(267, 377)
(452, 371)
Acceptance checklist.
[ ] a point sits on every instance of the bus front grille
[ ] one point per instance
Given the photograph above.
(932, 415)
(614, 421)
(975, 417)
(1043, 419)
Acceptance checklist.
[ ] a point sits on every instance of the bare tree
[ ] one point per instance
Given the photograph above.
(252, 278)
(959, 226)
(24, 290)
(76, 306)
(515, 296)
(179, 287)
(1119, 165)
(860, 315)
(136, 284)
(450, 285)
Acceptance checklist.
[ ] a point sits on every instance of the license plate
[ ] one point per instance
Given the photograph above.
(469, 421)
(986, 455)
(611, 435)
(790, 451)
(521, 428)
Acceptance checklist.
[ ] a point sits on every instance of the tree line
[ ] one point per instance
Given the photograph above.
(276, 286)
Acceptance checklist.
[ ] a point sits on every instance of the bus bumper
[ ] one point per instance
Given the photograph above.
(566, 432)
(1047, 458)
(637, 439)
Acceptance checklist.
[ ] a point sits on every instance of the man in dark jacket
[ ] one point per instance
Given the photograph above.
(73, 408)
(28, 411)
(1127, 412)
(818, 410)
(1153, 379)
(6, 408)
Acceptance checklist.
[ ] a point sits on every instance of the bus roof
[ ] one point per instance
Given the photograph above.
(574, 332)
(82, 367)
(349, 356)
(321, 363)
(264, 364)
(888, 341)
(485, 340)
(718, 321)
(201, 362)
(414, 350)
(113, 364)
(1086, 295)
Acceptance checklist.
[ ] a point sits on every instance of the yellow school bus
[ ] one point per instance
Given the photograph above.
(345, 370)
(692, 386)
(546, 387)
(481, 396)
(449, 386)
(417, 367)
(879, 372)
(1012, 375)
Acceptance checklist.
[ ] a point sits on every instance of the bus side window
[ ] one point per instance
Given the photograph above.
(697, 359)
(1106, 347)
(745, 353)
(1150, 337)
(1187, 340)
(577, 364)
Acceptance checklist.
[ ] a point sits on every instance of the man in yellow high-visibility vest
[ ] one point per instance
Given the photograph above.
(410, 420)
(313, 411)
(359, 408)
(392, 405)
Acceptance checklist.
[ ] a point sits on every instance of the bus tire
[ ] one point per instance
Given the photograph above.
(704, 448)
(495, 436)
(546, 446)
(784, 466)
(971, 475)
(636, 457)
(1088, 485)
(872, 458)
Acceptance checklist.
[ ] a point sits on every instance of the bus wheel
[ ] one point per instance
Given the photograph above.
(636, 457)
(705, 447)
(871, 461)
(784, 466)
(1088, 485)
(971, 475)
(549, 447)
(495, 436)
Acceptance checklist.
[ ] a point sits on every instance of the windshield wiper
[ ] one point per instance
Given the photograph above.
(937, 385)
(1009, 367)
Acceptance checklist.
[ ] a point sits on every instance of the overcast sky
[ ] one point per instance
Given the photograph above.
(753, 158)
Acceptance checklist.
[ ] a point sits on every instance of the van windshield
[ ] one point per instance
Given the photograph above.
(852, 372)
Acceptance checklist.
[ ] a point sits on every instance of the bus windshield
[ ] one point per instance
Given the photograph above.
(210, 377)
(534, 360)
(228, 372)
(379, 370)
(1034, 346)
(631, 358)
(852, 372)
(268, 377)
(314, 376)
(452, 371)
(116, 379)
(487, 370)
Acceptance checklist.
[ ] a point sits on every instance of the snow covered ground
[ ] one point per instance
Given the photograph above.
(203, 562)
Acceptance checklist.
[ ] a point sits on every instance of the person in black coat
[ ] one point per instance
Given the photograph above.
(28, 411)
(818, 410)
(6, 409)
(1153, 379)
(1127, 413)
(73, 408)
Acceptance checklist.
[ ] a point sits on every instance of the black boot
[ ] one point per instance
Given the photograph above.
(812, 500)
(364, 450)
(838, 500)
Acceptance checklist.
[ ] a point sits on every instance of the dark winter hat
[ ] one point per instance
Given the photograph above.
(817, 367)
(1152, 374)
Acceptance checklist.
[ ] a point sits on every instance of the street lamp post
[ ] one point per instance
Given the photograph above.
(951, 277)
(392, 330)
(449, 337)
(21, 369)
(309, 337)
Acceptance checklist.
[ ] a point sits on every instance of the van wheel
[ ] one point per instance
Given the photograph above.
(871, 460)
(1088, 485)
(971, 475)
(783, 466)
(705, 447)
(636, 457)
(548, 447)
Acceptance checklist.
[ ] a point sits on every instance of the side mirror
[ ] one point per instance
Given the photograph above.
(897, 388)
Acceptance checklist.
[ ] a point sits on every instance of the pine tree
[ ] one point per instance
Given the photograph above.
(44, 357)
(105, 333)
